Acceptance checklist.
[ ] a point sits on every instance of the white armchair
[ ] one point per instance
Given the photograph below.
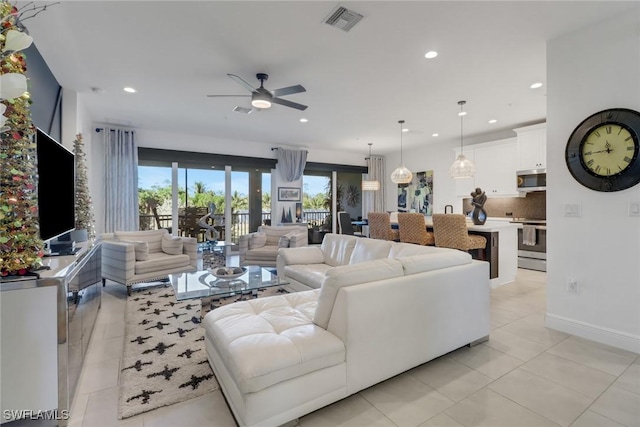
(130, 257)
(261, 247)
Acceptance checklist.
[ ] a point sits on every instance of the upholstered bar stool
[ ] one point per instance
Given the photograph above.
(413, 229)
(380, 226)
(450, 231)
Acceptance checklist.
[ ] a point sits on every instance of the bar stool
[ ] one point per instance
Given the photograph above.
(413, 229)
(380, 226)
(450, 231)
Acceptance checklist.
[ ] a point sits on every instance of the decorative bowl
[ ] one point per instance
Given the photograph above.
(227, 273)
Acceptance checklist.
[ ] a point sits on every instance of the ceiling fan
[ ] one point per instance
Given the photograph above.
(263, 98)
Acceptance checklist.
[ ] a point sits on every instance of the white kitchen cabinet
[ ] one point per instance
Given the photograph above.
(532, 147)
(496, 168)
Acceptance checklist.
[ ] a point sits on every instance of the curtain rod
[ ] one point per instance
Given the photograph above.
(112, 130)
(275, 148)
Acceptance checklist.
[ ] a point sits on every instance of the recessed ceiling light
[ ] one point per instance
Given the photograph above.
(431, 54)
(303, 120)
(536, 85)
(435, 134)
(129, 89)
(492, 121)
(405, 130)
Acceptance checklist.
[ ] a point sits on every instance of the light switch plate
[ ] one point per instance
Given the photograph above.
(634, 208)
(572, 210)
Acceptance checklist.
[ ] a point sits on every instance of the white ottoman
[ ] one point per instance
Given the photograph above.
(272, 362)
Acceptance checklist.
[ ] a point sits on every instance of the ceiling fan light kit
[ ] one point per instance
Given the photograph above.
(462, 167)
(401, 175)
(262, 98)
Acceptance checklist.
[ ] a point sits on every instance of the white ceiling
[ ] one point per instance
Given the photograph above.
(359, 83)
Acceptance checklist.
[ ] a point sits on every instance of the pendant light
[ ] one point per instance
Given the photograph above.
(401, 175)
(462, 167)
(370, 185)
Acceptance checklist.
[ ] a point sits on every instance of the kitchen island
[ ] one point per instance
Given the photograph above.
(501, 251)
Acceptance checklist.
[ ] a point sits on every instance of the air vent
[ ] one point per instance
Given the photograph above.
(343, 18)
(244, 110)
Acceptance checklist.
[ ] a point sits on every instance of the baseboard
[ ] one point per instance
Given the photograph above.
(595, 333)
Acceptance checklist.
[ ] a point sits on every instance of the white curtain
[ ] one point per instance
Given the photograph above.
(291, 163)
(373, 201)
(121, 180)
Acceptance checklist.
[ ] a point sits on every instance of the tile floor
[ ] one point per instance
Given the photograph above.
(525, 375)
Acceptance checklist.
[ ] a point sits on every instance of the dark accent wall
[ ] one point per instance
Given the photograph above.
(193, 160)
(46, 94)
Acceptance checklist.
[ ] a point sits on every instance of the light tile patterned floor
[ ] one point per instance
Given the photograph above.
(525, 375)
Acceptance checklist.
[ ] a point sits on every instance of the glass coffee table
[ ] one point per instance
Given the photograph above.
(201, 284)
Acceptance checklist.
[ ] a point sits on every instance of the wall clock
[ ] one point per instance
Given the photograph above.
(602, 152)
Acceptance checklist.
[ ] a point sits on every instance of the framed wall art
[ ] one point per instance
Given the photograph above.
(289, 194)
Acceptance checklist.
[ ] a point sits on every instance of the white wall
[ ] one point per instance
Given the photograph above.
(435, 157)
(590, 70)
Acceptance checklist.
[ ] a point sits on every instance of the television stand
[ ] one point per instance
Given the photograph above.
(64, 252)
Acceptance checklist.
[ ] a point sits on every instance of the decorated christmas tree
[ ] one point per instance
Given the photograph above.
(84, 212)
(20, 243)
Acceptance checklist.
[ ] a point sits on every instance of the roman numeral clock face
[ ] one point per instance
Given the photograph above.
(602, 152)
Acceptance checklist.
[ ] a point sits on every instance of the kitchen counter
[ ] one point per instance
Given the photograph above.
(502, 247)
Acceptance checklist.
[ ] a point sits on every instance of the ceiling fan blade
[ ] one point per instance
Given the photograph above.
(288, 90)
(226, 96)
(288, 103)
(242, 82)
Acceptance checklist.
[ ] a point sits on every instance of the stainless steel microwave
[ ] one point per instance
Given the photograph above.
(532, 180)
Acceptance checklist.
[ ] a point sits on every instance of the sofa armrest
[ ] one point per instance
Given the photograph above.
(118, 260)
(303, 255)
(299, 240)
(243, 247)
(190, 247)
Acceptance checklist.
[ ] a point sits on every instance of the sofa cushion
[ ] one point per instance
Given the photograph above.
(270, 340)
(420, 263)
(283, 242)
(349, 275)
(311, 275)
(337, 248)
(265, 253)
(257, 239)
(159, 261)
(275, 232)
(369, 250)
(152, 237)
(171, 245)
(408, 249)
(141, 249)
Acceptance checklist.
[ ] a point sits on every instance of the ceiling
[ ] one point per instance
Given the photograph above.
(359, 83)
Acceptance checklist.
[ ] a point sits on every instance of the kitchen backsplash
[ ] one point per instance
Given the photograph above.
(533, 206)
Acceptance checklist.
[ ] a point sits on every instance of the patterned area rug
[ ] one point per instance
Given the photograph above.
(164, 360)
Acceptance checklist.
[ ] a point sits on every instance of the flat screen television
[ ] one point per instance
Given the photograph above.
(56, 187)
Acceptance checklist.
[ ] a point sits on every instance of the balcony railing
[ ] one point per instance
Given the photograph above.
(239, 223)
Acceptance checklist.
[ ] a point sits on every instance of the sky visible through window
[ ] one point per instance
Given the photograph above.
(150, 176)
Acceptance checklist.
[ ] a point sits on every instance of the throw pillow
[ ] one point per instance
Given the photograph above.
(141, 249)
(171, 245)
(257, 240)
(283, 242)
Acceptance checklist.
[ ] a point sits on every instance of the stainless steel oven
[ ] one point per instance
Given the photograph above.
(532, 244)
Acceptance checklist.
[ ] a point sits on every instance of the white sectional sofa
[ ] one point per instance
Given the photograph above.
(375, 309)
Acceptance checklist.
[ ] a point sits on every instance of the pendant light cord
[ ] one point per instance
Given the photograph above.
(401, 159)
(461, 103)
